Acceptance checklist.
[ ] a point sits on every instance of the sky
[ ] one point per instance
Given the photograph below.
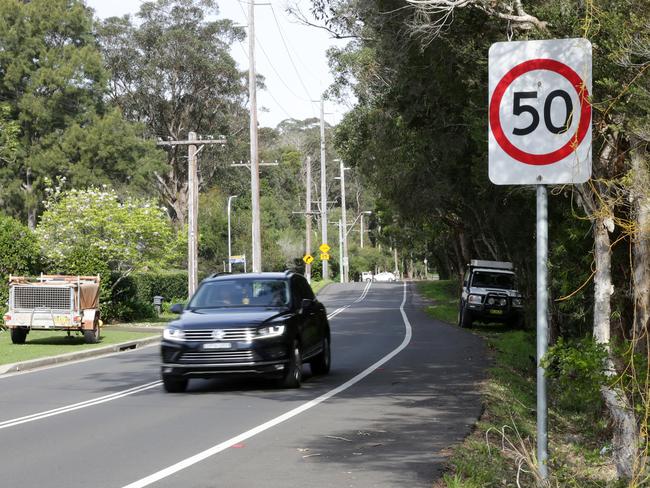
(291, 57)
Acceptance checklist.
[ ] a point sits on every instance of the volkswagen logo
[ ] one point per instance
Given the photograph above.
(218, 334)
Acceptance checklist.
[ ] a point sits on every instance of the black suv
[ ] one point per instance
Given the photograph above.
(261, 323)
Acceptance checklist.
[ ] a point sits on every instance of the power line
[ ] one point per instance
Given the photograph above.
(286, 47)
(279, 105)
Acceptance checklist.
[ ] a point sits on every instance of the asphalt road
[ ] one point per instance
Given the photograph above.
(402, 389)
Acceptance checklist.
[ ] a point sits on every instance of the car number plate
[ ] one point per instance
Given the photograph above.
(217, 345)
(496, 312)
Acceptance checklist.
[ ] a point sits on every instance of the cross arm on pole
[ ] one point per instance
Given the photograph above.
(197, 142)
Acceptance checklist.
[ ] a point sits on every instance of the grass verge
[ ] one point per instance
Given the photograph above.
(42, 343)
(501, 450)
(319, 285)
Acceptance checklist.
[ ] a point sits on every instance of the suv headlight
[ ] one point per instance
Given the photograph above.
(518, 302)
(270, 331)
(475, 299)
(173, 334)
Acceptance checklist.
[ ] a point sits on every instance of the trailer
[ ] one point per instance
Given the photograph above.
(53, 302)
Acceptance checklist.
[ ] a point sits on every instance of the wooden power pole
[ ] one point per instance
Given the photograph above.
(192, 203)
(323, 187)
(255, 174)
(308, 218)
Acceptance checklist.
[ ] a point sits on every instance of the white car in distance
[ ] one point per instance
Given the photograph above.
(385, 276)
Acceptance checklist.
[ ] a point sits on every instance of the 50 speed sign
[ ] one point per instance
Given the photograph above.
(539, 112)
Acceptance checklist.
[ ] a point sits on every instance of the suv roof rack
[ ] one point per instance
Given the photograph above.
(480, 263)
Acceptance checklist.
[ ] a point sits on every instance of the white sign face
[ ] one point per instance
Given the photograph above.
(540, 112)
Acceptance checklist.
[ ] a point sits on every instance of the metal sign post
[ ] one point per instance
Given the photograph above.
(542, 328)
(540, 134)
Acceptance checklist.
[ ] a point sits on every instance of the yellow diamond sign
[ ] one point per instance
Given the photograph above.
(324, 257)
(308, 258)
(324, 248)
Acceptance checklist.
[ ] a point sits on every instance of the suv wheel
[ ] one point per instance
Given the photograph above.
(321, 363)
(174, 384)
(464, 318)
(293, 373)
(18, 335)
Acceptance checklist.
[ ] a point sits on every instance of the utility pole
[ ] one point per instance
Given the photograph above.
(346, 267)
(323, 187)
(192, 216)
(361, 230)
(308, 218)
(255, 175)
(192, 203)
(341, 255)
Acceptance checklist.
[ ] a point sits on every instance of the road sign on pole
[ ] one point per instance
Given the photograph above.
(324, 257)
(539, 112)
(308, 258)
(324, 248)
(540, 134)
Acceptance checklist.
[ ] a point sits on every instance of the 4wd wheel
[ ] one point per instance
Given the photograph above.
(18, 335)
(92, 336)
(293, 372)
(174, 384)
(464, 319)
(321, 363)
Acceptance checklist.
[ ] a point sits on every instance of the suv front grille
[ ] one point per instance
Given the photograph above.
(217, 356)
(205, 335)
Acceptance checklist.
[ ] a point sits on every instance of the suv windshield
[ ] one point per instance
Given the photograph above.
(485, 279)
(241, 293)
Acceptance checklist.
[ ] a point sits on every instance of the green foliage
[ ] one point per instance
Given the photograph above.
(53, 86)
(125, 234)
(576, 371)
(19, 253)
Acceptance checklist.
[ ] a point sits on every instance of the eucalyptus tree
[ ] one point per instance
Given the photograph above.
(172, 70)
(52, 84)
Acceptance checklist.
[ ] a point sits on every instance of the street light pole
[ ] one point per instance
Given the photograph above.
(229, 245)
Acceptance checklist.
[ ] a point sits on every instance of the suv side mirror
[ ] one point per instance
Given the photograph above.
(176, 308)
(306, 304)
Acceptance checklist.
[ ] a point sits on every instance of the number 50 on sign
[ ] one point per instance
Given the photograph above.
(540, 112)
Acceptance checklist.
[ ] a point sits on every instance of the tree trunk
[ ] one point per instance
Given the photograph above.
(640, 200)
(625, 437)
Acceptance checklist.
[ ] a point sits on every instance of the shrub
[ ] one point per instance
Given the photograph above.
(19, 253)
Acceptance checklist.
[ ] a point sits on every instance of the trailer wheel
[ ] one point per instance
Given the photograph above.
(92, 336)
(18, 335)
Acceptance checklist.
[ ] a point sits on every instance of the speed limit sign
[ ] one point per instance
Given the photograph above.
(540, 112)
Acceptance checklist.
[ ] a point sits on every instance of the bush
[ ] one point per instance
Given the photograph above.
(132, 296)
(19, 253)
(576, 373)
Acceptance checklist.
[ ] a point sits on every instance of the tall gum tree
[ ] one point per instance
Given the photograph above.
(172, 71)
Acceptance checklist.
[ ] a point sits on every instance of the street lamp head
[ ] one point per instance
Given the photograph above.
(367, 212)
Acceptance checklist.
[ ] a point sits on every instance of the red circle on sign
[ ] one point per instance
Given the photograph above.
(585, 112)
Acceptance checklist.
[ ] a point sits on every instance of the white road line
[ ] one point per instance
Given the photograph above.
(186, 463)
(80, 405)
(120, 394)
(358, 300)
